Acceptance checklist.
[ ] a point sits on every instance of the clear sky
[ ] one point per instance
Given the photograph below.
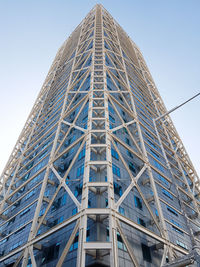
(166, 31)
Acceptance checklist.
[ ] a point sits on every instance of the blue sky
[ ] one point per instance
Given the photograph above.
(166, 31)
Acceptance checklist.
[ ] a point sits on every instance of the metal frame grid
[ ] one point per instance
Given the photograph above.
(100, 52)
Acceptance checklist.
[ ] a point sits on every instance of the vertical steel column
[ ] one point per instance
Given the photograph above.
(114, 261)
(81, 254)
(98, 93)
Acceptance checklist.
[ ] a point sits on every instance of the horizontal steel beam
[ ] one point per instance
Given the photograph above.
(97, 245)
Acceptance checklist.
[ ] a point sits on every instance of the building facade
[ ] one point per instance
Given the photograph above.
(94, 178)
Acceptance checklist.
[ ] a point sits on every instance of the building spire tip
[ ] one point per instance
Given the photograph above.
(98, 4)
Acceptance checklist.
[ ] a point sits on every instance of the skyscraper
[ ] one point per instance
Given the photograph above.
(98, 177)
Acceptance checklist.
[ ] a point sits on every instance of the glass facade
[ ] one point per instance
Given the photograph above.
(93, 180)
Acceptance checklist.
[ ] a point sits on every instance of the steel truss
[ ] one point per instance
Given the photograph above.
(98, 50)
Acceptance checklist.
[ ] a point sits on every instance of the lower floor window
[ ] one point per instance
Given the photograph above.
(146, 253)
